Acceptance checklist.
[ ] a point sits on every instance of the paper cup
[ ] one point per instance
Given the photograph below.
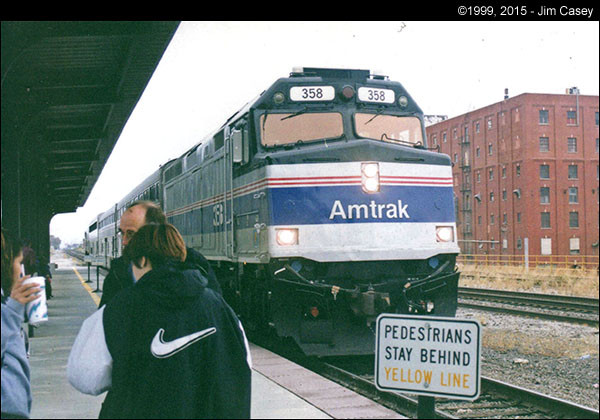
(37, 310)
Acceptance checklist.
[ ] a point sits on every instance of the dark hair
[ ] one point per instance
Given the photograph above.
(11, 248)
(154, 213)
(158, 243)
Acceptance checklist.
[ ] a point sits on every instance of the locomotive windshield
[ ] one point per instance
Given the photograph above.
(390, 128)
(280, 129)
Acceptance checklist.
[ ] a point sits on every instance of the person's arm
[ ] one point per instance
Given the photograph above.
(89, 368)
(13, 313)
(13, 309)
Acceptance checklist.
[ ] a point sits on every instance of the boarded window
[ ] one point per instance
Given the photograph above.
(546, 244)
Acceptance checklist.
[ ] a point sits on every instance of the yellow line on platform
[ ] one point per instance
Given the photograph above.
(94, 296)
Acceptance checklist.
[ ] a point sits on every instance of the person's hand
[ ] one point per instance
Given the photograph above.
(25, 293)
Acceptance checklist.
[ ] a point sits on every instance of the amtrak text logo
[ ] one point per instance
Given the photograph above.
(369, 211)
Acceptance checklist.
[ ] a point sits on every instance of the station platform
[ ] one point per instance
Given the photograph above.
(280, 388)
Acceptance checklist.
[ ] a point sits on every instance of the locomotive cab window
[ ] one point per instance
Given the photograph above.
(280, 129)
(389, 128)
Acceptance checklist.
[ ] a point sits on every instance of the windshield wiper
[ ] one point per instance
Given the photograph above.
(302, 111)
(377, 114)
(265, 119)
(384, 137)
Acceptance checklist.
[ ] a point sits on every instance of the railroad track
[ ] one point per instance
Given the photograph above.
(562, 302)
(497, 399)
(554, 307)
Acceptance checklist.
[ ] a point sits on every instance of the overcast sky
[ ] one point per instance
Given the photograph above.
(211, 69)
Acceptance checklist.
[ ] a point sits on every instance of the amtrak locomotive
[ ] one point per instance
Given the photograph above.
(319, 206)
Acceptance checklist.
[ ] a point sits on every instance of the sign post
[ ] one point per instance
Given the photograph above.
(88, 260)
(428, 356)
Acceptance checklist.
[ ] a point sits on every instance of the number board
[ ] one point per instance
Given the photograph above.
(428, 356)
(312, 93)
(369, 94)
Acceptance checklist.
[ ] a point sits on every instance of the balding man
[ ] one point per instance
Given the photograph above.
(135, 216)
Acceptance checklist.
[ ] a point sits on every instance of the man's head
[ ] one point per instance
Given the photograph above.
(137, 215)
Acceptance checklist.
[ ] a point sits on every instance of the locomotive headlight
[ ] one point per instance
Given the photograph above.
(287, 236)
(444, 233)
(370, 177)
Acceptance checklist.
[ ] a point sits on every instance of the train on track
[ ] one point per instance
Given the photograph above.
(320, 207)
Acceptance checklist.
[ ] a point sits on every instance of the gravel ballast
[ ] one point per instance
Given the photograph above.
(554, 358)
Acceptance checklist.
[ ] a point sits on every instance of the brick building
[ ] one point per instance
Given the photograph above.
(525, 171)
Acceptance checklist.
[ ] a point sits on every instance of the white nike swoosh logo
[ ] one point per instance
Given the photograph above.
(162, 350)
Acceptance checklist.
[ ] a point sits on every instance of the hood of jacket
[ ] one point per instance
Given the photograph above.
(173, 283)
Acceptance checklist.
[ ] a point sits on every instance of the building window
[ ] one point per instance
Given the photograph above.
(504, 195)
(572, 145)
(478, 177)
(518, 217)
(477, 152)
(596, 117)
(519, 243)
(477, 124)
(545, 220)
(455, 158)
(544, 171)
(573, 195)
(491, 174)
(544, 144)
(490, 149)
(574, 245)
(454, 133)
(571, 117)
(545, 195)
(543, 116)
(596, 144)
(518, 169)
(489, 123)
(478, 220)
(504, 172)
(444, 137)
(504, 219)
(573, 172)
(574, 219)
(492, 219)
(492, 196)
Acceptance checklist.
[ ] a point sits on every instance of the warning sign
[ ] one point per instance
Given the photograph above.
(428, 356)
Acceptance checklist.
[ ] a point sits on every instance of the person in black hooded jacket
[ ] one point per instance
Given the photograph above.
(168, 347)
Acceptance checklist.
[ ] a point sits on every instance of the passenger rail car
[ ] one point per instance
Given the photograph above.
(321, 207)
(102, 238)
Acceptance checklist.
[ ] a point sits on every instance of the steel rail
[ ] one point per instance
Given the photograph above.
(533, 314)
(577, 303)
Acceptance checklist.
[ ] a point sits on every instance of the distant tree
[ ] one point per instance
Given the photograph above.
(55, 242)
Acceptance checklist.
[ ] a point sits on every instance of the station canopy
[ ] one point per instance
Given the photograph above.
(68, 88)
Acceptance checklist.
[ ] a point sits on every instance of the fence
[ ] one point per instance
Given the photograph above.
(585, 262)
